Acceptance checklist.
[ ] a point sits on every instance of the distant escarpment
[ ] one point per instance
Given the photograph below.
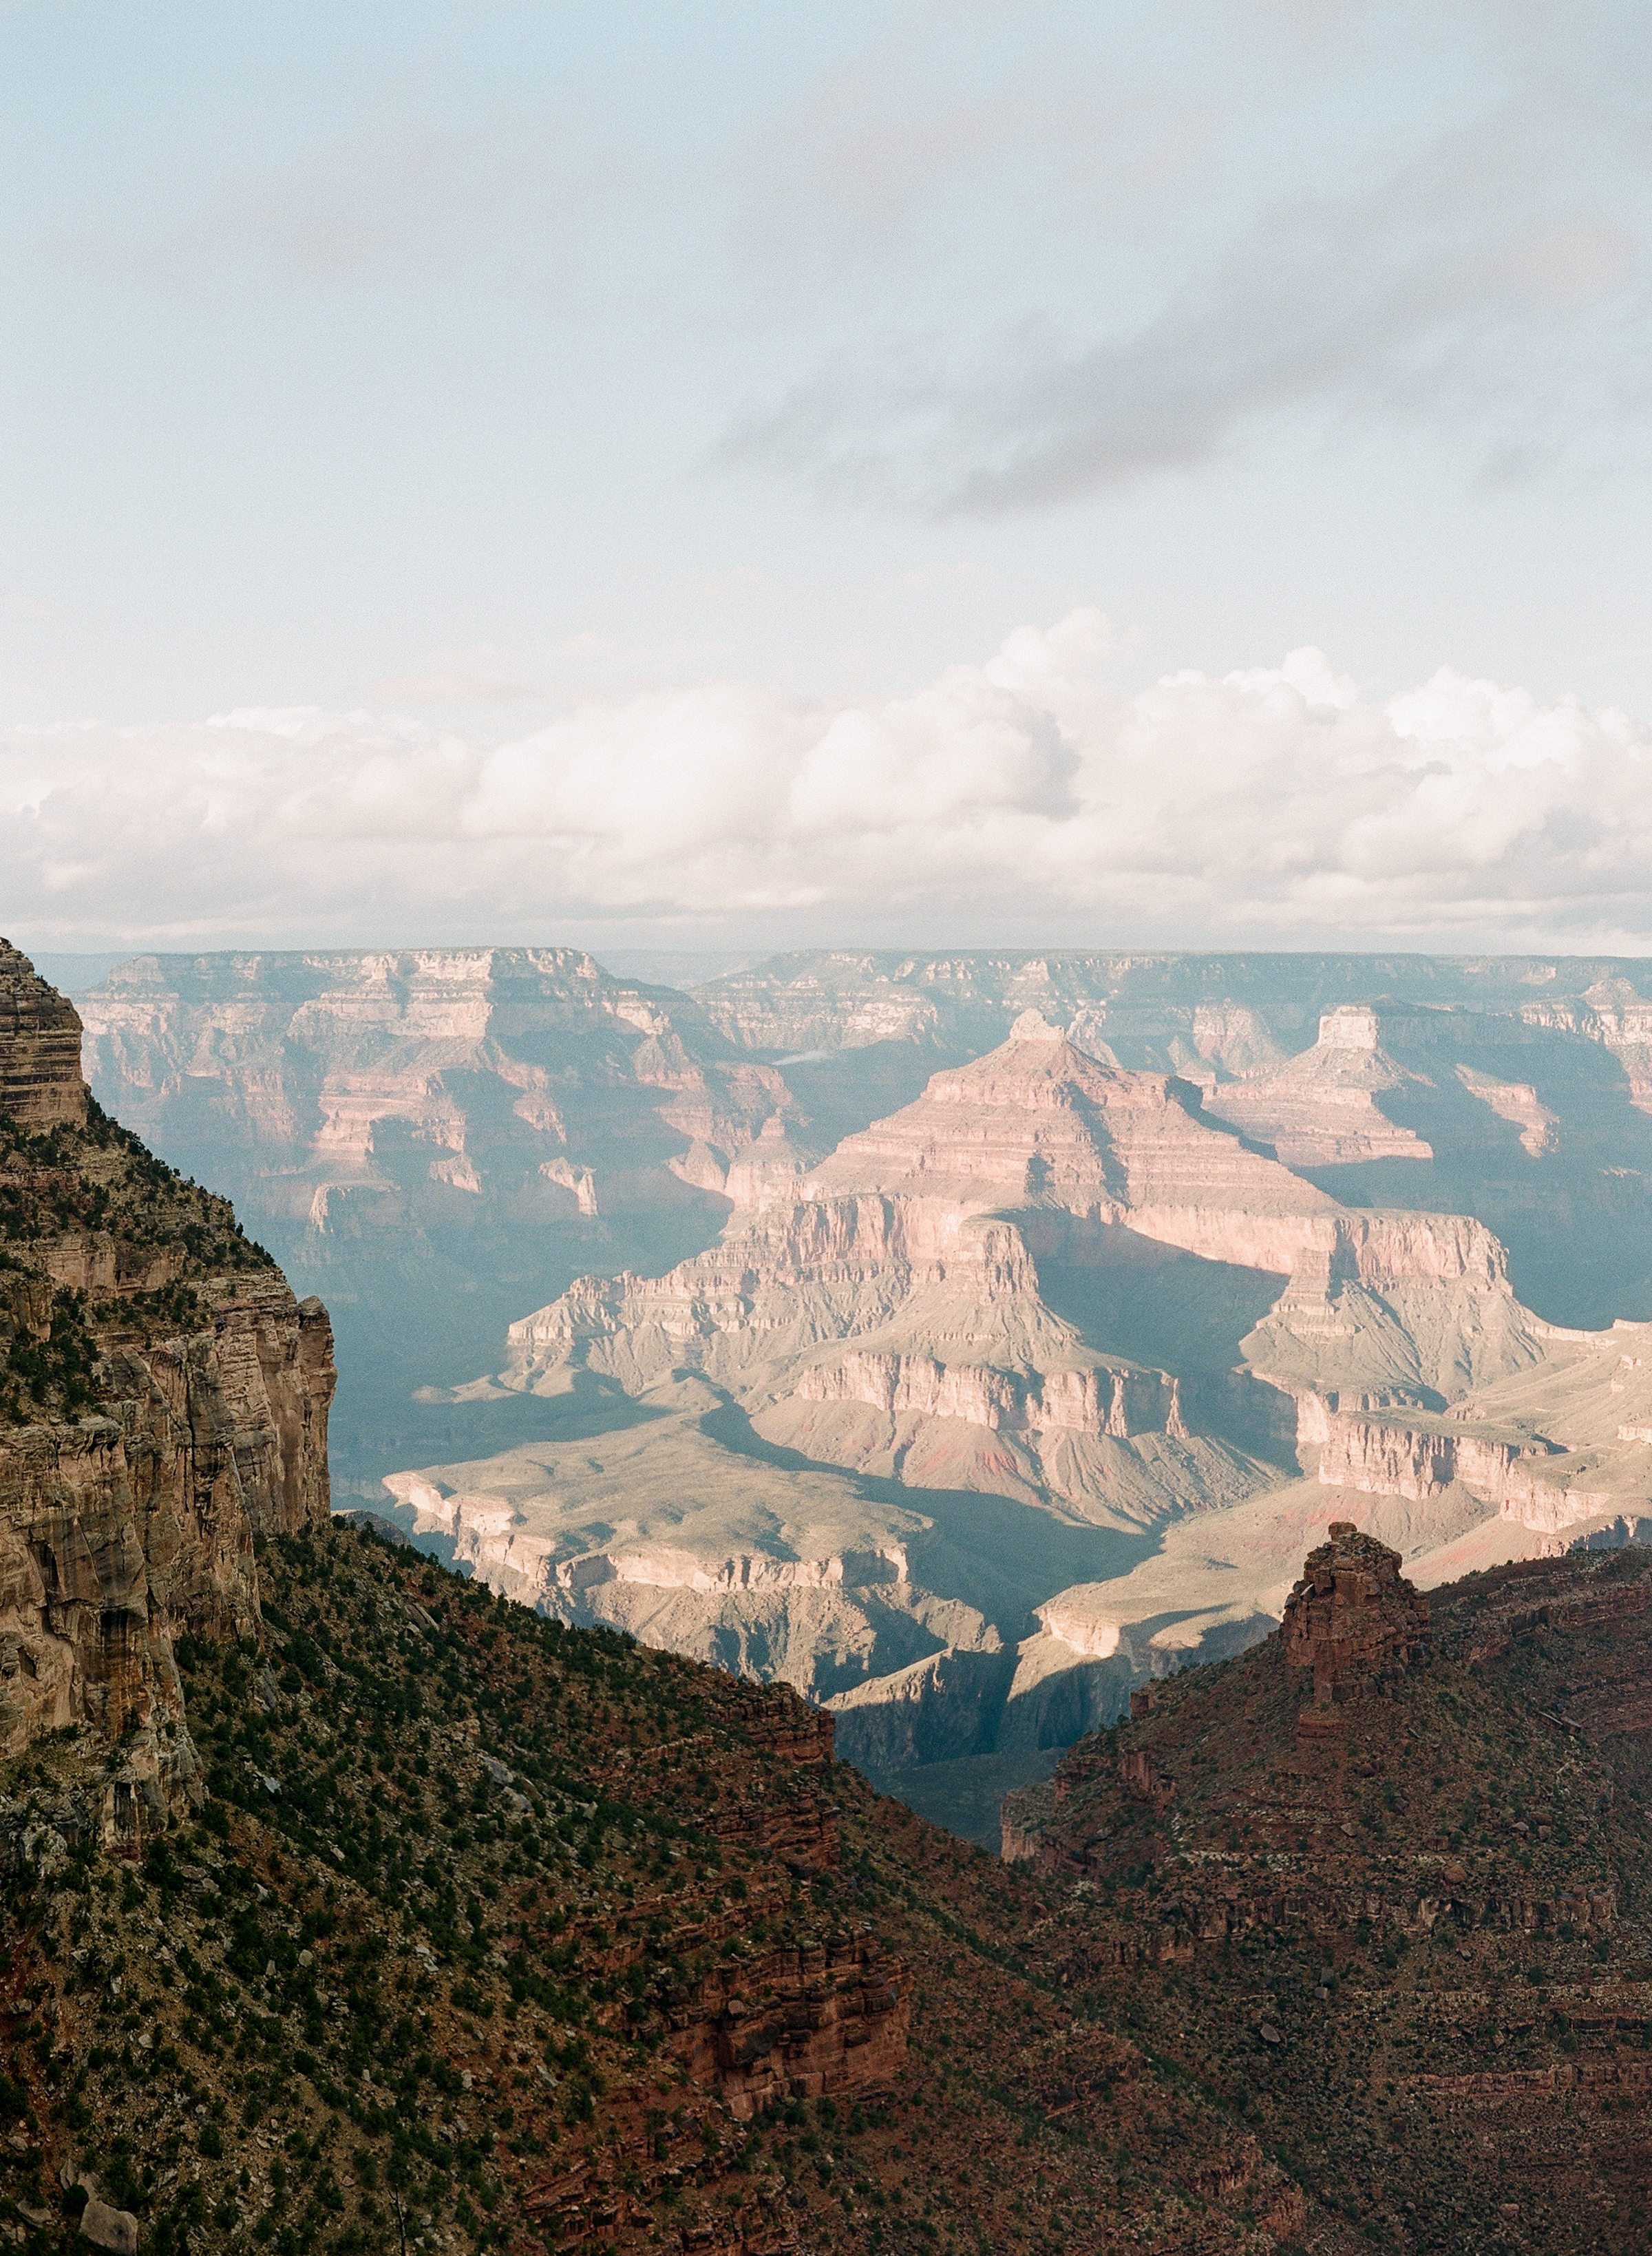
(1059, 1286)
(436, 1140)
(163, 1401)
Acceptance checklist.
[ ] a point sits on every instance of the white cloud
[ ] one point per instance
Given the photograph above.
(1023, 800)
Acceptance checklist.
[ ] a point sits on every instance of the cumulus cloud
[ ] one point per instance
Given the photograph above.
(1025, 798)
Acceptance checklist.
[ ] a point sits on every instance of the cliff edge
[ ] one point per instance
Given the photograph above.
(163, 1399)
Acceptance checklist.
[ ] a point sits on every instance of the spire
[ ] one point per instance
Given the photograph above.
(1353, 1619)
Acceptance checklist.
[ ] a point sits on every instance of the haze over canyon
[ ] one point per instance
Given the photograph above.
(962, 1339)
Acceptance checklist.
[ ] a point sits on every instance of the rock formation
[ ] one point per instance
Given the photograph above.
(888, 1313)
(1353, 1621)
(164, 1401)
(457, 1131)
(425, 1088)
(1110, 1242)
(42, 1085)
(1385, 1873)
(432, 1964)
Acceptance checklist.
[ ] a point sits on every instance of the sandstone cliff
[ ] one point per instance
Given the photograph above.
(932, 1226)
(164, 1401)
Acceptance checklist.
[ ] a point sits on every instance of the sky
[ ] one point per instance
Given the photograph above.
(991, 473)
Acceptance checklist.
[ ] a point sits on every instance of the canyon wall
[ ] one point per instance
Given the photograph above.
(1024, 1266)
(164, 1401)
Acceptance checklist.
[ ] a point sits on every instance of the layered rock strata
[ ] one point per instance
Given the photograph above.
(164, 1401)
(423, 1089)
(936, 1219)
(41, 1085)
(889, 1314)
(1353, 1621)
(1560, 1448)
(1414, 1932)
(545, 1928)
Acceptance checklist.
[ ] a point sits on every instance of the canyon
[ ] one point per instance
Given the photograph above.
(963, 1340)
(350, 1902)
(348, 1905)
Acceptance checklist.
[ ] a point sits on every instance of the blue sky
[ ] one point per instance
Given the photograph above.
(467, 363)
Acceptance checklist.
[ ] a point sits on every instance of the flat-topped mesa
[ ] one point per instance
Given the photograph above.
(1353, 1619)
(41, 1085)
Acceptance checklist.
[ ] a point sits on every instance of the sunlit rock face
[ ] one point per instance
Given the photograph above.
(1095, 1285)
(374, 1091)
(904, 1315)
(41, 1085)
(166, 1401)
(1353, 1621)
(436, 1140)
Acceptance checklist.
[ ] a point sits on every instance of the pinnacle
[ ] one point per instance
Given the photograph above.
(1352, 1618)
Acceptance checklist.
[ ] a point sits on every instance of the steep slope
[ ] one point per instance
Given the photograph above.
(1377, 1876)
(346, 1907)
(163, 1400)
(490, 1934)
(1038, 1153)
(1534, 1120)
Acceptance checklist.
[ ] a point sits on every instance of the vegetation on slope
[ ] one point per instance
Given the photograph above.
(464, 1937)
(1408, 1938)
(93, 1203)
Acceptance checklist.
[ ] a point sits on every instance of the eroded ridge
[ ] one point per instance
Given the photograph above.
(1387, 1874)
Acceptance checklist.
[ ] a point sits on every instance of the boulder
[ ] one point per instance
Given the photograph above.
(115, 2230)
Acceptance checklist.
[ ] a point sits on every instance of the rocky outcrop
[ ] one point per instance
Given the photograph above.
(824, 2021)
(168, 1404)
(1534, 1481)
(1325, 1108)
(1119, 1403)
(1239, 1798)
(1352, 1622)
(119, 1531)
(1423, 1908)
(41, 1085)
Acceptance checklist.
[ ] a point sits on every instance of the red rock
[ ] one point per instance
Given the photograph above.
(1353, 1619)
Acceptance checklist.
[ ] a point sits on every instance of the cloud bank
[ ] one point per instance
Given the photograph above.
(1021, 801)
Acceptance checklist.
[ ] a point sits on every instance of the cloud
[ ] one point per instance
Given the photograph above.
(1473, 266)
(1023, 800)
(508, 201)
